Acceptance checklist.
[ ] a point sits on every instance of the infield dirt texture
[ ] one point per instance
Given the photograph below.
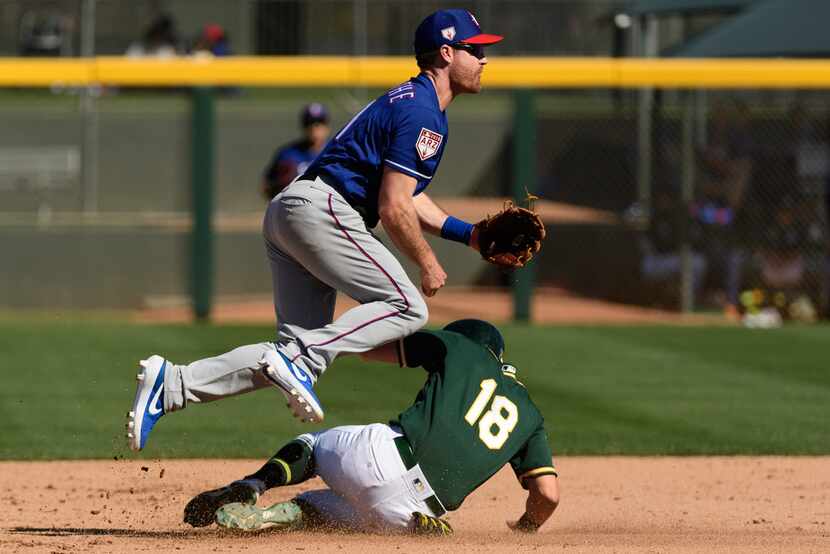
(611, 504)
(733, 424)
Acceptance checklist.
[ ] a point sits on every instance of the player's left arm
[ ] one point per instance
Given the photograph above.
(435, 221)
(535, 470)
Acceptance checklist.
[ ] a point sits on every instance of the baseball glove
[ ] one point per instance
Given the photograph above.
(512, 237)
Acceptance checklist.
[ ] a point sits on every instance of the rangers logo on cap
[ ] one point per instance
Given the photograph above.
(448, 33)
(428, 143)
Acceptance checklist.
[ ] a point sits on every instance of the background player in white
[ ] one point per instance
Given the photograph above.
(318, 240)
(471, 418)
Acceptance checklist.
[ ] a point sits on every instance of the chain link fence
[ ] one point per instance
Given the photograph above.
(288, 27)
(732, 216)
(737, 213)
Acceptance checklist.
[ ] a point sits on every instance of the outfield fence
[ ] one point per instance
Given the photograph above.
(295, 27)
(716, 186)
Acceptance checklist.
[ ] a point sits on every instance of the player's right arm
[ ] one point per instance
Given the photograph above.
(433, 218)
(400, 220)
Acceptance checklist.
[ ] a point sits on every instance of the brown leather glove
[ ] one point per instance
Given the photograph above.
(512, 237)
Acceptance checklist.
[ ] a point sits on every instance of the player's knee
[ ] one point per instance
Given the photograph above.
(418, 314)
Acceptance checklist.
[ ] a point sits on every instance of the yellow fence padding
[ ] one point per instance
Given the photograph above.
(332, 71)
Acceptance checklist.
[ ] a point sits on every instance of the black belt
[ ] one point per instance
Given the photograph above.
(408, 459)
(364, 213)
(309, 176)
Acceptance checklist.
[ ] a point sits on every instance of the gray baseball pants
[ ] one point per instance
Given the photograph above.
(317, 244)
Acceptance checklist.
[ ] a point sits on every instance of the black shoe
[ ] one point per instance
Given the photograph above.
(201, 510)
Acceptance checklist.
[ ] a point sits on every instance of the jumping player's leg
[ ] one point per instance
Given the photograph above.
(301, 301)
(312, 224)
(209, 379)
(165, 387)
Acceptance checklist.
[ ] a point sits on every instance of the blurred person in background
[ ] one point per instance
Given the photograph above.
(780, 270)
(292, 159)
(45, 34)
(725, 164)
(213, 40)
(661, 262)
(781, 262)
(159, 40)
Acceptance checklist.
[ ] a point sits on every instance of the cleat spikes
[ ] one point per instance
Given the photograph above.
(143, 363)
(130, 414)
(129, 435)
(139, 377)
(296, 388)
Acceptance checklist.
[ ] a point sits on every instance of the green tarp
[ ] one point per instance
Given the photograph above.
(667, 7)
(771, 28)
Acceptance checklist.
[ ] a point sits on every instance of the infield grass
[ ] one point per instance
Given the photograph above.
(66, 384)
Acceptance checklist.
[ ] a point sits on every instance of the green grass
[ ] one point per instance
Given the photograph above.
(65, 386)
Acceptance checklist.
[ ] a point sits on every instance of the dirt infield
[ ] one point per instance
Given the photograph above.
(611, 504)
(550, 306)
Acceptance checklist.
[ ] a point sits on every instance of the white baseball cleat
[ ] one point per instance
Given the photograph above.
(148, 406)
(295, 384)
(247, 517)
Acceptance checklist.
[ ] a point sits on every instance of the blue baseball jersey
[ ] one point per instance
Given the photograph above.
(288, 162)
(404, 129)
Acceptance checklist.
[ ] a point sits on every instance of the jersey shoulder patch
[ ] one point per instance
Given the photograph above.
(428, 143)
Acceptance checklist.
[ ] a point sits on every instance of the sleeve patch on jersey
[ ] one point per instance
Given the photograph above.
(428, 143)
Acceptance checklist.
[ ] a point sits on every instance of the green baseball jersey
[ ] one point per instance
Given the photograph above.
(471, 417)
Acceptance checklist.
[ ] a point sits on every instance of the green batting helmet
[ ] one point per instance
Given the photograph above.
(485, 334)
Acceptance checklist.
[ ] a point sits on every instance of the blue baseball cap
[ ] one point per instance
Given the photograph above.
(450, 27)
(314, 113)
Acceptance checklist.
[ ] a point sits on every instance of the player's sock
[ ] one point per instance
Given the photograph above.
(292, 464)
(254, 483)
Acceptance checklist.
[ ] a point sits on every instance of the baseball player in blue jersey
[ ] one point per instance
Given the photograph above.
(293, 159)
(318, 239)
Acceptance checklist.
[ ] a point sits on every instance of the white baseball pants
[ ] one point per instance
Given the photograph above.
(370, 489)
